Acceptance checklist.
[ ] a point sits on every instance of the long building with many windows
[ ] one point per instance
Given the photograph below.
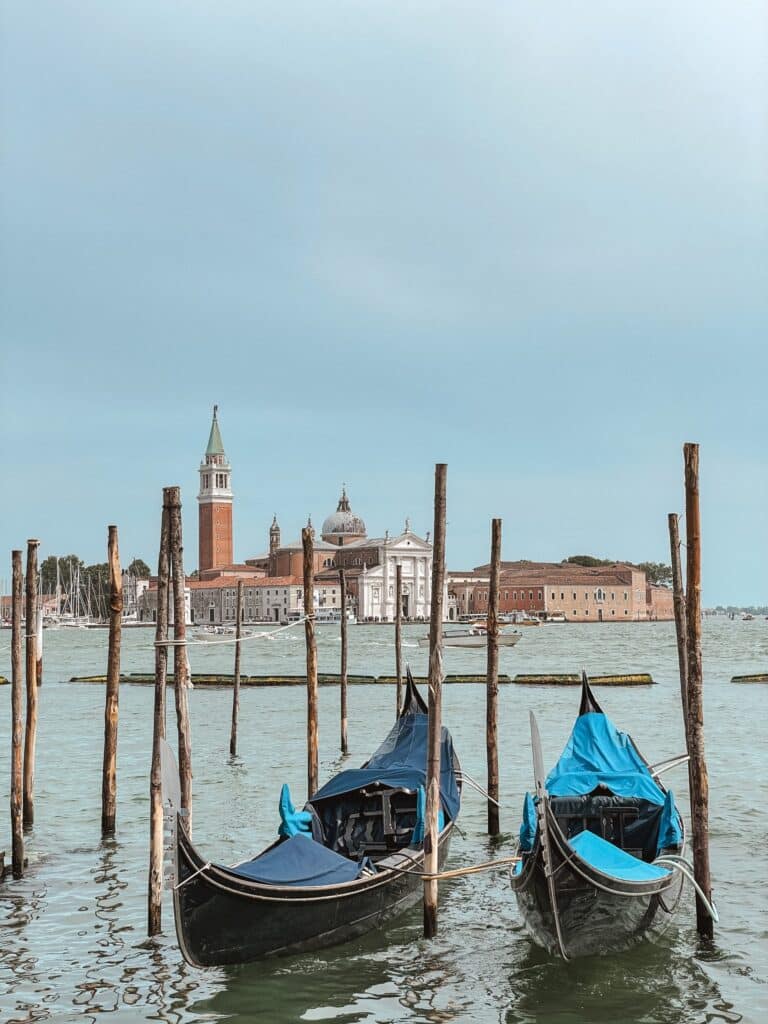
(606, 593)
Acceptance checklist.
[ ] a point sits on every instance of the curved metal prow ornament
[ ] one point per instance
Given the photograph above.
(589, 703)
(542, 812)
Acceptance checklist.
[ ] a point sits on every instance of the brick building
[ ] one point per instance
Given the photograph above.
(604, 593)
(464, 588)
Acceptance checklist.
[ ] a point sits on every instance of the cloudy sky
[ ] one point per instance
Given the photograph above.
(529, 240)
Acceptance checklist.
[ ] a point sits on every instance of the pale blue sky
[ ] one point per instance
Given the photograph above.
(527, 239)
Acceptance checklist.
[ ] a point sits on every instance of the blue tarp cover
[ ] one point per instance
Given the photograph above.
(597, 754)
(529, 824)
(300, 861)
(292, 822)
(401, 762)
(670, 832)
(613, 861)
(417, 836)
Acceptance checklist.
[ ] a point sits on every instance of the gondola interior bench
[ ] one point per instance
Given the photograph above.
(630, 823)
(610, 860)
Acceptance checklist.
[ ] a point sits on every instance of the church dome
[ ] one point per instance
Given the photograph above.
(343, 522)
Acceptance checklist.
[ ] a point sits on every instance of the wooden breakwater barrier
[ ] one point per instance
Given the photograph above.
(571, 679)
(323, 678)
(755, 677)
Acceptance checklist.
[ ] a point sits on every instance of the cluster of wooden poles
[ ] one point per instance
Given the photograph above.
(170, 594)
(24, 614)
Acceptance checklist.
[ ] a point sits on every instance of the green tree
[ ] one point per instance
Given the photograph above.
(588, 560)
(68, 566)
(656, 572)
(139, 569)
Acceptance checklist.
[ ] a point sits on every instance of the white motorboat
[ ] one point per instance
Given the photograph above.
(475, 636)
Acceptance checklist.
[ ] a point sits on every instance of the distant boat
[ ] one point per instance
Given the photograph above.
(475, 636)
(323, 617)
(332, 616)
(207, 632)
(556, 617)
(520, 619)
(746, 617)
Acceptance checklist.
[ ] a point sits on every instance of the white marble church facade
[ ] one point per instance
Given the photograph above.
(376, 584)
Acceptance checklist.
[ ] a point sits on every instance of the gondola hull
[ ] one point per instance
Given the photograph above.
(598, 914)
(225, 919)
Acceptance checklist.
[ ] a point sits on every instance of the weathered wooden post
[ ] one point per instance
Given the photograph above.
(236, 680)
(181, 678)
(30, 734)
(492, 683)
(39, 638)
(399, 636)
(678, 597)
(699, 780)
(435, 707)
(17, 773)
(155, 893)
(343, 679)
(109, 768)
(309, 635)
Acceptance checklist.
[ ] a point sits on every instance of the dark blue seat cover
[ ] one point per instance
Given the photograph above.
(299, 861)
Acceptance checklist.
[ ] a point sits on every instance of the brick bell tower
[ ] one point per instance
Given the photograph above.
(215, 504)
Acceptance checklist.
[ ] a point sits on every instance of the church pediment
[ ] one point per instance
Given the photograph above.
(408, 542)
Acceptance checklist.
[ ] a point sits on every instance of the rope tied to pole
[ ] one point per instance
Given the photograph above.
(470, 869)
(267, 635)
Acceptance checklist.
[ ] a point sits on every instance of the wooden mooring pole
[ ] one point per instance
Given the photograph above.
(17, 770)
(111, 706)
(399, 636)
(181, 677)
(699, 780)
(30, 633)
(431, 831)
(236, 681)
(492, 683)
(343, 680)
(309, 635)
(39, 640)
(678, 597)
(155, 893)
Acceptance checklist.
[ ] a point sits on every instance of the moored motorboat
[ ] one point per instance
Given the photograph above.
(475, 636)
(601, 845)
(344, 866)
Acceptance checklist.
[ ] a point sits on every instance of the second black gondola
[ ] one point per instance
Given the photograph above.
(601, 844)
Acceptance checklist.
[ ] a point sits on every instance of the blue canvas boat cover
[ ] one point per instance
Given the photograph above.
(300, 861)
(611, 860)
(529, 824)
(401, 762)
(597, 754)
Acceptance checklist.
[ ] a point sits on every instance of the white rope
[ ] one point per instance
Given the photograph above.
(466, 777)
(193, 875)
(686, 868)
(234, 639)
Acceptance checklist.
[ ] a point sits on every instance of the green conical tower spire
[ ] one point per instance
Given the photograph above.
(215, 445)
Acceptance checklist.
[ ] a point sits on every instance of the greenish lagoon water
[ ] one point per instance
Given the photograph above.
(72, 932)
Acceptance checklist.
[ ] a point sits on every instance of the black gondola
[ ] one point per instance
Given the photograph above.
(357, 866)
(601, 845)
